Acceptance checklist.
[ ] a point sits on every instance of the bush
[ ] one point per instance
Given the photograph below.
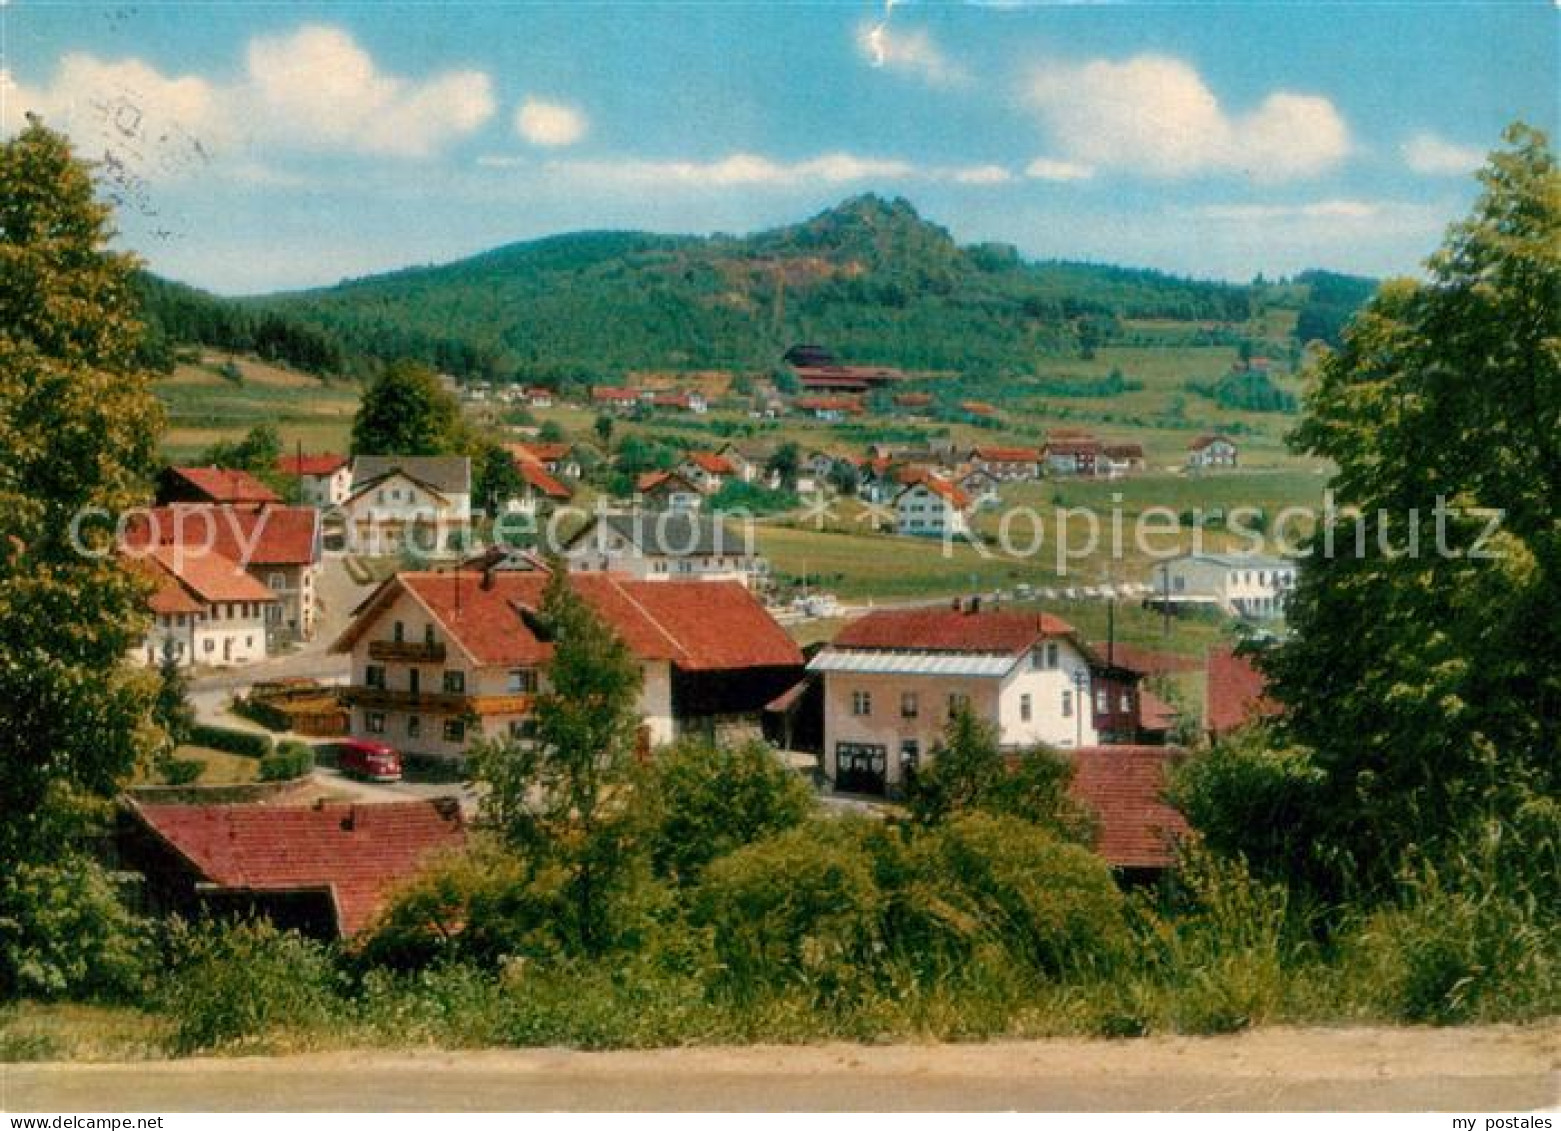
(700, 802)
(182, 771)
(64, 933)
(230, 985)
(801, 908)
(232, 740)
(291, 760)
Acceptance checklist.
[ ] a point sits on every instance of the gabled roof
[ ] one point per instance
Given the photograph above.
(940, 487)
(710, 462)
(1072, 446)
(223, 485)
(208, 576)
(610, 393)
(447, 475)
(1204, 441)
(651, 481)
(828, 404)
(667, 533)
(258, 536)
(695, 625)
(325, 463)
(1154, 713)
(1146, 661)
(539, 478)
(1006, 455)
(1006, 632)
(360, 853)
(543, 452)
(1236, 693)
(1125, 786)
(1124, 451)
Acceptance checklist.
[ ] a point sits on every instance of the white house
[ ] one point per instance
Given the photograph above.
(441, 659)
(892, 680)
(1211, 451)
(205, 608)
(706, 470)
(666, 546)
(324, 480)
(932, 507)
(1007, 464)
(1240, 585)
(400, 501)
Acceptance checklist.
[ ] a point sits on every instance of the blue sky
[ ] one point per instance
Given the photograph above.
(254, 146)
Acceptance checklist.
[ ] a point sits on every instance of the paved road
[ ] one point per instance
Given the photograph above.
(1463, 1070)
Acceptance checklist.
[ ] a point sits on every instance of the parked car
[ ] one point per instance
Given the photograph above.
(372, 761)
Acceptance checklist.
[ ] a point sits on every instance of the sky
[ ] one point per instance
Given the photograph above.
(253, 146)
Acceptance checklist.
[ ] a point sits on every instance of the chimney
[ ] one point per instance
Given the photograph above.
(957, 605)
(975, 604)
(487, 574)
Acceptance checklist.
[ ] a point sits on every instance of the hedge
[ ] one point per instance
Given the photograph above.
(182, 771)
(291, 760)
(234, 741)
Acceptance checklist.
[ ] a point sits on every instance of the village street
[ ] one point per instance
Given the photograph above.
(1500, 1068)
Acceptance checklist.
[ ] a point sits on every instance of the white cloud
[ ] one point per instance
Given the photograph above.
(1434, 156)
(313, 88)
(912, 51)
(1051, 169)
(982, 175)
(549, 123)
(1155, 115)
(737, 170)
(1313, 210)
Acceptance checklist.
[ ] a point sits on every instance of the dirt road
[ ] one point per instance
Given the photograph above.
(1466, 1070)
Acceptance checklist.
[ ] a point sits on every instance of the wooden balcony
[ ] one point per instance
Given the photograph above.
(436, 703)
(406, 651)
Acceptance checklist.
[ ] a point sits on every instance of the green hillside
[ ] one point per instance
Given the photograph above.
(870, 278)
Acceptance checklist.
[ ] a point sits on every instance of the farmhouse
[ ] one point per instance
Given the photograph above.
(278, 546)
(440, 659)
(1239, 585)
(615, 399)
(828, 408)
(205, 609)
(707, 471)
(666, 546)
(932, 507)
(893, 679)
(402, 501)
(1122, 459)
(667, 491)
(212, 485)
(1072, 454)
(539, 487)
(325, 870)
(324, 480)
(1007, 465)
(1211, 451)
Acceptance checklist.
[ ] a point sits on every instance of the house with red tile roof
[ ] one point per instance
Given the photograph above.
(278, 546)
(1235, 694)
(1072, 453)
(1125, 788)
(932, 507)
(326, 869)
(1007, 464)
(893, 678)
(828, 408)
(539, 485)
(617, 399)
(1211, 451)
(1121, 459)
(707, 471)
(324, 480)
(667, 491)
(441, 659)
(205, 608)
(212, 485)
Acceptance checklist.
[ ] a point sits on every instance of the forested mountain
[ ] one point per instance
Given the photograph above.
(869, 278)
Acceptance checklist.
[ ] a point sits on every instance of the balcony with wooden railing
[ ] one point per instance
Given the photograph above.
(436, 702)
(407, 651)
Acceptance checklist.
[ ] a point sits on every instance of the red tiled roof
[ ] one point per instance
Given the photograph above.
(1072, 446)
(224, 485)
(1146, 661)
(1007, 455)
(828, 404)
(1204, 441)
(950, 630)
(710, 462)
(1236, 693)
(977, 408)
(940, 487)
(913, 400)
(326, 463)
(258, 536)
(1124, 451)
(543, 452)
(537, 475)
(1125, 785)
(359, 852)
(606, 393)
(697, 625)
(649, 481)
(168, 596)
(208, 575)
(1155, 713)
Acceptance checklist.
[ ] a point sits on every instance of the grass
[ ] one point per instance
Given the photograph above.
(220, 767)
(32, 1031)
(203, 406)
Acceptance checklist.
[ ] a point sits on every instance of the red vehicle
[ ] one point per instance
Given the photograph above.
(372, 761)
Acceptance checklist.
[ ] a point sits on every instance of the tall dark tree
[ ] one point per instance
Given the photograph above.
(1424, 670)
(78, 430)
(562, 799)
(406, 412)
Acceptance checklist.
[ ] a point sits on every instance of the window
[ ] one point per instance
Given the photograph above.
(1102, 701)
(428, 634)
(210, 644)
(1067, 704)
(374, 676)
(277, 581)
(522, 681)
(1053, 654)
(1024, 708)
(958, 701)
(414, 681)
(414, 726)
(1127, 702)
(909, 707)
(398, 632)
(523, 730)
(910, 753)
(374, 722)
(455, 683)
(454, 730)
(861, 703)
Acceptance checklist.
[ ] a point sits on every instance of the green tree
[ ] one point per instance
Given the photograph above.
(1427, 684)
(785, 464)
(604, 430)
(406, 412)
(551, 432)
(78, 430)
(496, 477)
(172, 708)
(562, 799)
